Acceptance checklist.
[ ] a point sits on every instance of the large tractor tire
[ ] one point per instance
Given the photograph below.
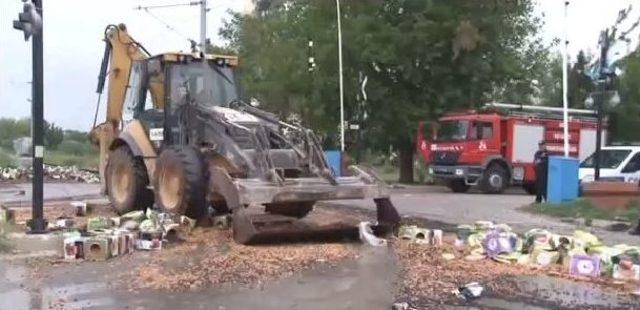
(181, 182)
(494, 180)
(458, 186)
(293, 209)
(127, 182)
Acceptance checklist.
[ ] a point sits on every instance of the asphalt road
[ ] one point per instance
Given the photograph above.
(21, 193)
(435, 203)
(439, 204)
(366, 283)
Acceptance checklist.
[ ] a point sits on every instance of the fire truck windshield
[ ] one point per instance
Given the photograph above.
(452, 131)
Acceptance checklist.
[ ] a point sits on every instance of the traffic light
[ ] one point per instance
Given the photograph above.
(29, 21)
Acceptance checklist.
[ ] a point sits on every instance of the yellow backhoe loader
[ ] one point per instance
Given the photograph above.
(177, 137)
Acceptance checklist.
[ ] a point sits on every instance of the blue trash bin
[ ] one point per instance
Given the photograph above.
(334, 159)
(562, 184)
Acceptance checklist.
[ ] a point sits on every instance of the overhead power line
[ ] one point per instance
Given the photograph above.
(161, 6)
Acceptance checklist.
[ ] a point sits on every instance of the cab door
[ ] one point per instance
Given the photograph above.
(482, 140)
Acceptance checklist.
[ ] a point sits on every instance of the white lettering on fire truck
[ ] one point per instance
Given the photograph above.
(560, 136)
(435, 147)
(482, 146)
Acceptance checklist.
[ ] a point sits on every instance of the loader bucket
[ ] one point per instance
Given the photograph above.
(252, 226)
(258, 228)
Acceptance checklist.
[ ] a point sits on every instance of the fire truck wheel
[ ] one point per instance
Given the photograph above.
(458, 186)
(494, 180)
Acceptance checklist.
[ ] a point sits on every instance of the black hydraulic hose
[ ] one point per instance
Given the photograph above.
(102, 76)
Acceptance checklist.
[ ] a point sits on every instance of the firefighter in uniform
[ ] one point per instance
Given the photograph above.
(541, 161)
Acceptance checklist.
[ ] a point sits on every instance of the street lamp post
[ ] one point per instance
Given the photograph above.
(602, 76)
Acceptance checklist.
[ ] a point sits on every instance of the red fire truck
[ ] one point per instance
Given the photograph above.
(494, 147)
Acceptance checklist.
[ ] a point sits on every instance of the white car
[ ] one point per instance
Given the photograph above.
(619, 163)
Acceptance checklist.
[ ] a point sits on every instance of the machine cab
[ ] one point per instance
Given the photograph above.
(162, 87)
(457, 139)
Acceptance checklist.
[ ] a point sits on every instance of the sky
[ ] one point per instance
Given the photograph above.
(73, 44)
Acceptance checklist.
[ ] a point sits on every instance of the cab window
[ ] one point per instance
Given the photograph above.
(633, 165)
(481, 130)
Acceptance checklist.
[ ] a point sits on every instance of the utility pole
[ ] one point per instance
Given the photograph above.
(203, 26)
(30, 22)
(339, 17)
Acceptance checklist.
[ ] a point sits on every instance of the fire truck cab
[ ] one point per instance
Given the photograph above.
(493, 148)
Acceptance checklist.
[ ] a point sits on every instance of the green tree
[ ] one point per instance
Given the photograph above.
(53, 135)
(624, 120)
(420, 59)
(551, 83)
(11, 129)
(580, 85)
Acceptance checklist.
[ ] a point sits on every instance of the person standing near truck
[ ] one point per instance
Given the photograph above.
(541, 161)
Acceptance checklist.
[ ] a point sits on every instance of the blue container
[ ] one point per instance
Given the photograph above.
(334, 158)
(563, 181)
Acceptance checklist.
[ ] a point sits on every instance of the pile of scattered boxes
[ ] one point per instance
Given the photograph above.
(50, 173)
(421, 235)
(582, 254)
(105, 238)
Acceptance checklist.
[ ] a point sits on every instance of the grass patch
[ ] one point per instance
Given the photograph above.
(388, 173)
(85, 161)
(582, 208)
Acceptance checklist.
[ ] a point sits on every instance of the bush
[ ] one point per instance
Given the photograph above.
(6, 159)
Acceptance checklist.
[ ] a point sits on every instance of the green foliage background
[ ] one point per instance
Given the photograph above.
(420, 59)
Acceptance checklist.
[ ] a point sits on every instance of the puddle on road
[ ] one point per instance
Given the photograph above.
(12, 294)
(13, 274)
(17, 299)
(544, 292)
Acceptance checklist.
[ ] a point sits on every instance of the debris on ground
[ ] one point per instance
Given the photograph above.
(487, 246)
(222, 221)
(107, 237)
(448, 256)
(80, 207)
(469, 291)
(430, 277)
(401, 306)
(50, 173)
(584, 265)
(419, 235)
(210, 257)
(367, 236)
(414, 234)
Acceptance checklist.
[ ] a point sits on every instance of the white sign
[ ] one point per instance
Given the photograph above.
(39, 151)
(156, 134)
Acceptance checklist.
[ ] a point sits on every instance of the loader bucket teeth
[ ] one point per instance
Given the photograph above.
(388, 217)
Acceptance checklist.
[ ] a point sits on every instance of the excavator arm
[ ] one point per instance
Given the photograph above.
(121, 50)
